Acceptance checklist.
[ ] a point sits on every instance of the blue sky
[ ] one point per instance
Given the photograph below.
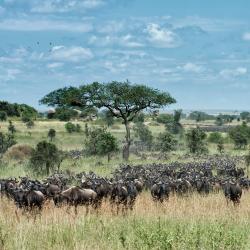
(199, 51)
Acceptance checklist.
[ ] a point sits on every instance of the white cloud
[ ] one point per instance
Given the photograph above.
(161, 37)
(191, 67)
(229, 73)
(72, 54)
(125, 41)
(9, 74)
(43, 25)
(54, 65)
(62, 6)
(246, 36)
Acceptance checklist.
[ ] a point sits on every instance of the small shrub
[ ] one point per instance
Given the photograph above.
(3, 116)
(215, 137)
(52, 134)
(70, 127)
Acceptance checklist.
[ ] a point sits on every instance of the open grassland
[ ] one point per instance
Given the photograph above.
(193, 222)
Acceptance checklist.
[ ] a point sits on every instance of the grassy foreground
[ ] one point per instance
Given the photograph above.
(181, 223)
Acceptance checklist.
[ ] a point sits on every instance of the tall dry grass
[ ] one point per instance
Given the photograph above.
(193, 222)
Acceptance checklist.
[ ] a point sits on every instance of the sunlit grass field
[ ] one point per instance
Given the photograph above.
(194, 222)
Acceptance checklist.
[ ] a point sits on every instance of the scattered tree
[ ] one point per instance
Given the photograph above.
(240, 136)
(30, 124)
(3, 116)
(45, 157)
(71, 127)
(122, 99)
(196, 140)
(100, 142)
(11, 128)
(166, 142)
(144, 134)
(215, 137)
(52, 134)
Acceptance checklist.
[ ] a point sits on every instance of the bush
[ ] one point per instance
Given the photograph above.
(11, 128)
(215, 137)
(100, 142)
(45, 157)
(52, 134)
(70, 127)
(240, 135)
(144, 134)
(196, 140)
(30, 124)
(64, 114)
(3, 116)
(19, 152)
(164, 118)
(166, 142)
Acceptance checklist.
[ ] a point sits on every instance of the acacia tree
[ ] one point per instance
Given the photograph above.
(44, 157)
(123, 99)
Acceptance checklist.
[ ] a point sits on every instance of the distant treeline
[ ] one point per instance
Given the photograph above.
(202, 116)
(17, 110)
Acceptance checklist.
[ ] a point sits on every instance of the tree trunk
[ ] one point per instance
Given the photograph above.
(126, 147)
(47, 168)
(109, 157)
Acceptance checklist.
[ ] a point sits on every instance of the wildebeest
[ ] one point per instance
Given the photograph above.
(75, 196)
(233, 192)
(123, 194)
(160, 191)
(28, 199)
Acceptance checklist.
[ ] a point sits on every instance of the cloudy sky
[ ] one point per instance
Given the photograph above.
(199, 51)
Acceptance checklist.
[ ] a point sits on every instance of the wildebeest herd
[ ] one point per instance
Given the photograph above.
(127, 182)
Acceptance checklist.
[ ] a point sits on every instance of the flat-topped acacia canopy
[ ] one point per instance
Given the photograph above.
(123, 99)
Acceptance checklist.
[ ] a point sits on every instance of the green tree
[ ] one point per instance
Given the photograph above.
(52, 134)
(65, 114)
(219, 121)
(244, 115)
(70, 127)
(11, 128)
(144, 134)
(215, 137)
(195, 138)
(6, 141)
(108, 117)
(122, 99)
(100, 142)
(3, 116)
(200, 116)
(240, 135)
(166, 142)
(30, 124)
(174, 124)
(45, 157)
(140, 118)
(164, 118)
